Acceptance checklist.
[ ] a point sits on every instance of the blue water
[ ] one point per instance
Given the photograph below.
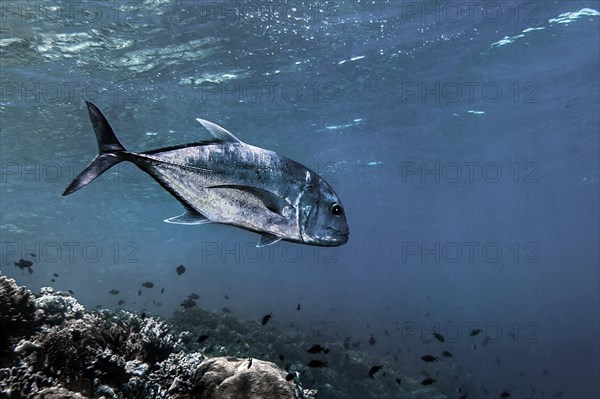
(462, 138)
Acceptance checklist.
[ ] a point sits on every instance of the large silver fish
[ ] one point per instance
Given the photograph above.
(227, 181)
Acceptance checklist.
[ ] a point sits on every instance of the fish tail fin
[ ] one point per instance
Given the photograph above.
(110, 149)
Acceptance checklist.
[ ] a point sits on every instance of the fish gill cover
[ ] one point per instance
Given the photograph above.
(460, 137)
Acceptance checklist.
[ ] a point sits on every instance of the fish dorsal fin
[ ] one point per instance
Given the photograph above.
(272, 201)
(267, 239)
(218, 132)
(190, 216)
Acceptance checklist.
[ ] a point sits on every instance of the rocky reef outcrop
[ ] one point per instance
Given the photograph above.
(232, 378)
(51, 347)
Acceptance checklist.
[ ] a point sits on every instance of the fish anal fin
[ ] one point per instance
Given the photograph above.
(218, 132)
(271, 201)
(267, 239)
(190, 216)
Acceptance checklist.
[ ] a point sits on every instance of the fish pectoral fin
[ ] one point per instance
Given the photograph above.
(267, 239)
(271, 201)
(218, 132)
(190, 216)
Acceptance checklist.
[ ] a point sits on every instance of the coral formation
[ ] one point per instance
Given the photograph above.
(231, 378)
(53, 348)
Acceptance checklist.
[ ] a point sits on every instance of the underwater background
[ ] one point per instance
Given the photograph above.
(461, 137)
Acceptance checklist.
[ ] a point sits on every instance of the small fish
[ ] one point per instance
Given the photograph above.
(317, 363)
(290, 376)
(428, 381)
(298, 307)
(439, 337)
(22, 264)
(249, 362)
(148, 284)
(113, 292)
(474, 332)
(226, 296)
(53, 280)
(202, 338)
(281, 358)
(180, 270)
(143, 315)
(188, 303)
(446, 354)
(316, 348)
(225, 309)
(162, 290)
(398, 380)
(505, 395)
(55, 274)
(193, 296)
(372, 340)
(70, 291)
(139, 292)
(121, 302)
(429, 359)
(266, 319)
(373, 370)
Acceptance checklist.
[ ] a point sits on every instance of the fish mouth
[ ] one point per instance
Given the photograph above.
(337, 237)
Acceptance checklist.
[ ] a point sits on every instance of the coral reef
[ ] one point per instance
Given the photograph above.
(18, 316)
(232, 378)
(52, 348)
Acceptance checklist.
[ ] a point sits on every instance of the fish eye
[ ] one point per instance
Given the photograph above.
(337, 209)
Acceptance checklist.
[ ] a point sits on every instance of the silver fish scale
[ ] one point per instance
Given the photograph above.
(190, 171)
